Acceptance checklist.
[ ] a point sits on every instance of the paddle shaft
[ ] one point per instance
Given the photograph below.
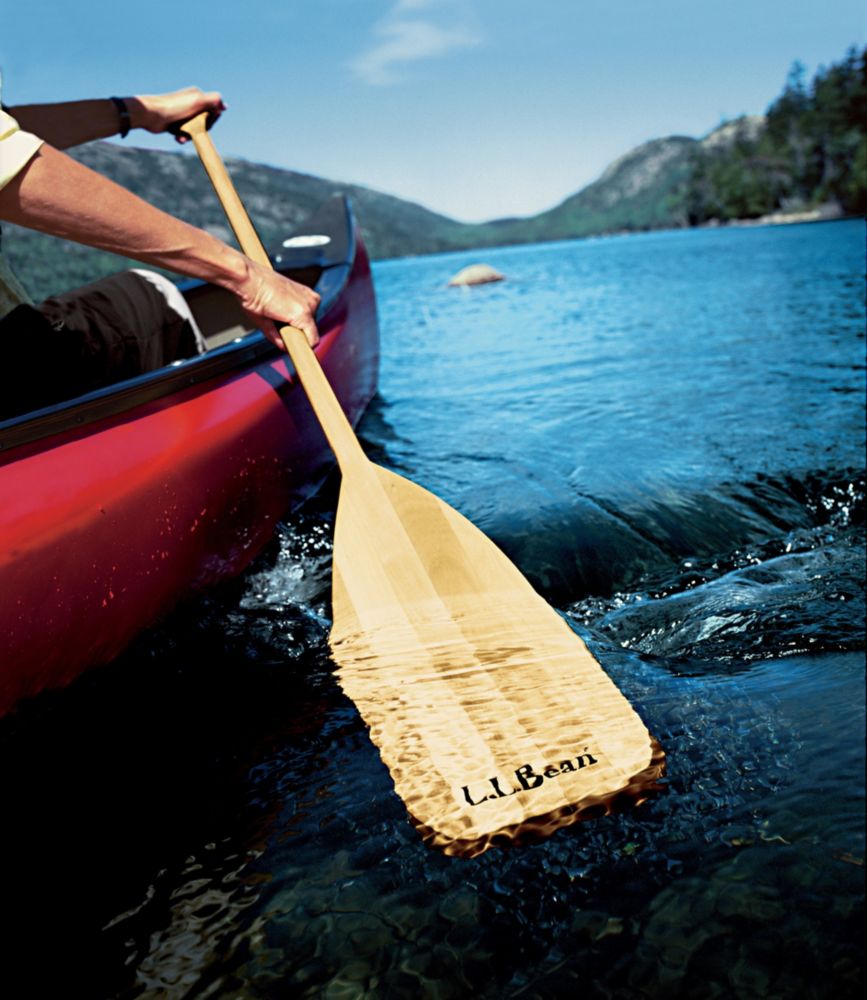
(326, 406)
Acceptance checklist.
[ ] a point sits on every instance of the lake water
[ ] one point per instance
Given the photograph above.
(666, 434)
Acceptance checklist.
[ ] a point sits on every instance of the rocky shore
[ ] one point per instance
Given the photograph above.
(827, 212)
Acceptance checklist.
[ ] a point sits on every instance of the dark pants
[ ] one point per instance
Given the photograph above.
(71, 344)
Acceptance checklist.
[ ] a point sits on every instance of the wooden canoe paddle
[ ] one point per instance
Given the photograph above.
(497, 724)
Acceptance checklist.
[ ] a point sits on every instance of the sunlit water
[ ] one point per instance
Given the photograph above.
(666, 434)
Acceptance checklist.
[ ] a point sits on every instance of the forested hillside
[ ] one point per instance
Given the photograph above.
(811, 150)
(277, 200)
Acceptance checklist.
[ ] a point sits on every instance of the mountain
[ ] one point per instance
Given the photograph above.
(638, 191)
(277, 200)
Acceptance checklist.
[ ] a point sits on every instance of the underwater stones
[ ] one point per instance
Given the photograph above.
(724, 934)
(460, 906)
(594, 925)
(476, 274)
(339, 989)
(370, 938)
(760, 903)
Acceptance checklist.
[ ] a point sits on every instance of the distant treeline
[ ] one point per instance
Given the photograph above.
(812, 150)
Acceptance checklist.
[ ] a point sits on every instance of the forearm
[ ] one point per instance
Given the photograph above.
(72, 123)
(57, 195)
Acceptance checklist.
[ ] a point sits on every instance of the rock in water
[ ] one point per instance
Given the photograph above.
(476, 274)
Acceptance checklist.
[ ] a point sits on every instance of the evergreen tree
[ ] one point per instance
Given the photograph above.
(812, 150)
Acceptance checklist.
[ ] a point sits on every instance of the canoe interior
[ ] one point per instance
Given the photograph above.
(322, 258)
(218, 314)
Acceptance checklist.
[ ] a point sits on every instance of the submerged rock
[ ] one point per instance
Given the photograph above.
(476, 274)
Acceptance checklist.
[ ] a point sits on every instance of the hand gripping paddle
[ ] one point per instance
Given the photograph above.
(495, 721)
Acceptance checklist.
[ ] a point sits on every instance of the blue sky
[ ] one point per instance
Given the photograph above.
(475, 108)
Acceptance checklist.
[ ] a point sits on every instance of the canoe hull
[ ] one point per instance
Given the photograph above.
(105, 530)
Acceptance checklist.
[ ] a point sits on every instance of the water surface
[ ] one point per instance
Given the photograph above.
(666, 433)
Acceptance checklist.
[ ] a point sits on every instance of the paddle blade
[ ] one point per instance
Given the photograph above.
(495, 721)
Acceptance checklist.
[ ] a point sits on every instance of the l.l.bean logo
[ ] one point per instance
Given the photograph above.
(526, 778)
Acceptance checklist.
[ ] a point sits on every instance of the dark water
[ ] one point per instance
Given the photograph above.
(666, 433)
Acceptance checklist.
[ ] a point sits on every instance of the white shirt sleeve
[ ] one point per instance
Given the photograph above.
(17, 148)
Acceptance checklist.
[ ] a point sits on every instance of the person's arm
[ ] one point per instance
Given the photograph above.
(71, 123)
(55, 194)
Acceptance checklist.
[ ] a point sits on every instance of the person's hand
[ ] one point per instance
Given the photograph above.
(269, 299)
(164, 112)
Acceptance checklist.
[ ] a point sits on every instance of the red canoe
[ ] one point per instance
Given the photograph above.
(117, 505)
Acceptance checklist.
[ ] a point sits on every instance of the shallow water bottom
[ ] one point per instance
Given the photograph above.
(158, 853)
(744, 879)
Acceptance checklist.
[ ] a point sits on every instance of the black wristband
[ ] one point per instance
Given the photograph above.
(123, 115)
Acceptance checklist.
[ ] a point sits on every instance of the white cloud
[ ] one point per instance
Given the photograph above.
(403, 38)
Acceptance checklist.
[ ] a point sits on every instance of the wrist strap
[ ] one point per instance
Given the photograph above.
(123, 115)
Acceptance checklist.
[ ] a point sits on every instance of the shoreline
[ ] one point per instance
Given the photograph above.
(827, 212)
